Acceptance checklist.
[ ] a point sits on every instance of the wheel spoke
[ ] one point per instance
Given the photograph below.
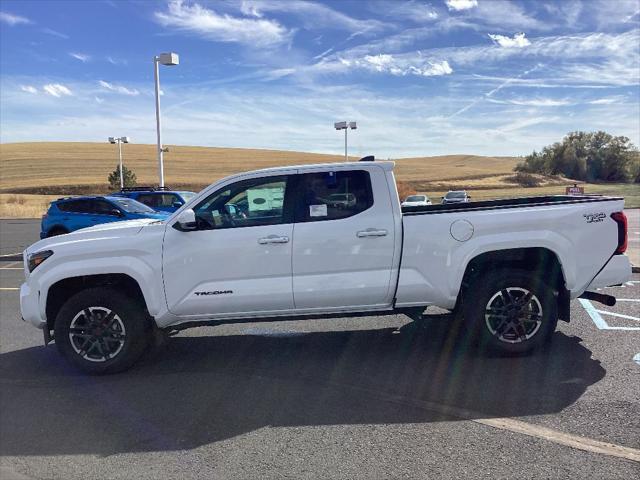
(501, 328)
(507, 299)
(525, 300)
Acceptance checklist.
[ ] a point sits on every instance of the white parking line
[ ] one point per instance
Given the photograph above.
(9, 288)
(599, 321)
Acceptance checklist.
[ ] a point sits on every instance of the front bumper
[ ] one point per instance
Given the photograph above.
(30, 306)
(616, 271)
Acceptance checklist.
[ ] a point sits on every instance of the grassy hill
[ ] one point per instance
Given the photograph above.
(63, 166)
(33, 173)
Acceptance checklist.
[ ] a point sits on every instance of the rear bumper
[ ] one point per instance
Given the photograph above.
(615, 272)
(30, 306)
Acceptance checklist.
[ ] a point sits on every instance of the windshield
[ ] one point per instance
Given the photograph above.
(455, 195)
(132, 206)
(187, 195)
(416, 198)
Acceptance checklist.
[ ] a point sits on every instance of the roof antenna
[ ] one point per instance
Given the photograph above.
(368, 158)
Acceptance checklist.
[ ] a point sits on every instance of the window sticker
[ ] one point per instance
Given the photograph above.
(317, 210)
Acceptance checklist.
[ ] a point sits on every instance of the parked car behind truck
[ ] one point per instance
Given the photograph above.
(73, 213)
(161, 200)
(510, 267)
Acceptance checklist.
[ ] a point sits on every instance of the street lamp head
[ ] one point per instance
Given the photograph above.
(168, 58)
(112, 140)
(352, 125)
(340, 125)
(125, 139)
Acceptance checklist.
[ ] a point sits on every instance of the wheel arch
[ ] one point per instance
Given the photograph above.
(532, 259)
(62, 290)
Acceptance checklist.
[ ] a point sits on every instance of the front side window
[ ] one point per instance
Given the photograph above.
(247, 203)
(167, 199)
(102, 207)
(333, 195)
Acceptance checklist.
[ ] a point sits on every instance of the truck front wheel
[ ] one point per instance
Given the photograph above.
(101, 330)
(511, 311)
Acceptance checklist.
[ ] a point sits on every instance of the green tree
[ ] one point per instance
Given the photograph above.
(591, 156)
(128, 175)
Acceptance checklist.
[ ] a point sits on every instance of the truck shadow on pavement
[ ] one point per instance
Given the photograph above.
(199, 390)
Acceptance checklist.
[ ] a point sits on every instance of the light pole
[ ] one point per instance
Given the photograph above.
(120, 141)
(164, 59)
(345, 126)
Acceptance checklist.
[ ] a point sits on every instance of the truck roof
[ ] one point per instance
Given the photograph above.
(385, 164)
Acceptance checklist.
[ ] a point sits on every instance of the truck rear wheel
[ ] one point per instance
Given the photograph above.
(511, 311)
(101, 330)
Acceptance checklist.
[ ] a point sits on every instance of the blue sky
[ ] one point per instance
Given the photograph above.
(492, 77)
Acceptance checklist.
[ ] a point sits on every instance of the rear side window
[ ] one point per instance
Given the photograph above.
(74, 206)
(148, 199)
(333, 195)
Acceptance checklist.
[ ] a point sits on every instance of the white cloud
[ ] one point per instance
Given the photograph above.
(518, 40)
(458, 5)
(55, 33)
(312, 15)
(606, 100)
(400, 66)
(535, 102)
(222, 28)
(56, 90)
(83, 57)
(119, 88)
(116, 61)
(99, 100)
(11, 19)
(29, 89)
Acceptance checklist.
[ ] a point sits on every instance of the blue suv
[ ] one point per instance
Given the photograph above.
(68, 214)
(159, 199)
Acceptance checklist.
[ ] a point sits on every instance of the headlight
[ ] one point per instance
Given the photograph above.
(37, 258)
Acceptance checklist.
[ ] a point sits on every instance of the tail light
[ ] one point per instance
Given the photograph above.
(621, 219)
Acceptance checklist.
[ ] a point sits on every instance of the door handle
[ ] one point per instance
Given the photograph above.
(371, 232)
(273, 239)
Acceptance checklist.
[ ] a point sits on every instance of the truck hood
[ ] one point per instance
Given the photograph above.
(125, 228)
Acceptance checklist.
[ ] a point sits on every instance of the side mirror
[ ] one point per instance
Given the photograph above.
(116, 213)
(177, 204)
(186, 221)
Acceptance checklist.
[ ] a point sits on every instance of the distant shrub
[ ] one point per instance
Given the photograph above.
(590, 156)
(14, 199)
(524, 179)
(114, 178)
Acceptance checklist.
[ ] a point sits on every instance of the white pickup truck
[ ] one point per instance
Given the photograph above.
(271, 244)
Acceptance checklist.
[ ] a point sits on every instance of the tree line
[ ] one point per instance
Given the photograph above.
(589, 156)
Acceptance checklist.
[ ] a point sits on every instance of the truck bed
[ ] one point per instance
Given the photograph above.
(506, 203)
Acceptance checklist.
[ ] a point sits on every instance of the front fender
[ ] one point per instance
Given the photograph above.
(148, 279)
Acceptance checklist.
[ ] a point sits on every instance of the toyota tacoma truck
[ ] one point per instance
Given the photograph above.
(272, 244)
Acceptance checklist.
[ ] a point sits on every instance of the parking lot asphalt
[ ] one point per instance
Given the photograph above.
(372, 397)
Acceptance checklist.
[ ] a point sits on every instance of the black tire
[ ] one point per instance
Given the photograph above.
(54, 232)
(101, 330)
(511, 311)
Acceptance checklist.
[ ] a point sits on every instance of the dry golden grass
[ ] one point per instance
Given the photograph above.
(29, 165)
(24, 206)
(83, 168)
(55, 164)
